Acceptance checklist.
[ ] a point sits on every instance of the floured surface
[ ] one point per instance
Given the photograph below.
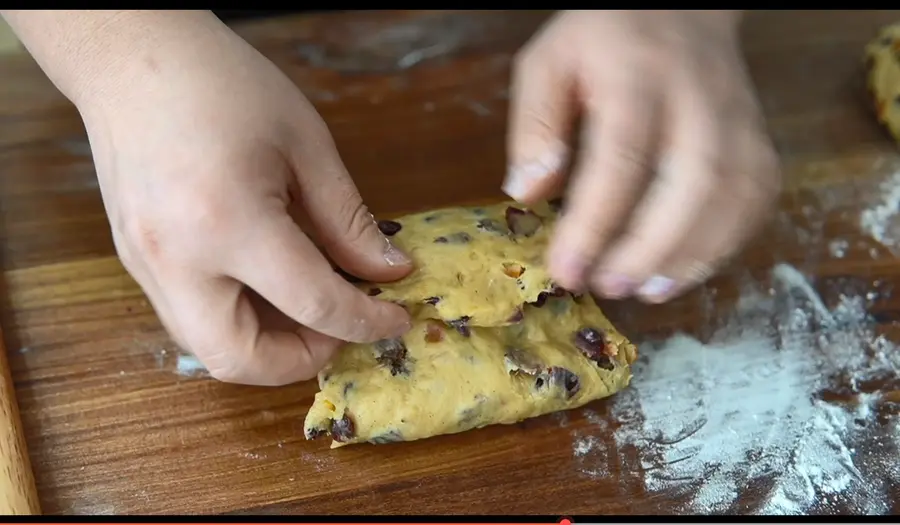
(789, 404)
(752, 407)
(879, 220)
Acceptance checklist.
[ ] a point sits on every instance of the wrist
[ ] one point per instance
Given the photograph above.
(94, 56)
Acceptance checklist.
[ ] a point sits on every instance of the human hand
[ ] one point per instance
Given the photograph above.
(675, 170)
(207, 157)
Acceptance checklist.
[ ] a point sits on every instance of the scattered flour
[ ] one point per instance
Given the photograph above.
(838, 248)
(319, 463)
(188, 365)
(880, 222)
(591, 455)
(585, 445)
(773, 415)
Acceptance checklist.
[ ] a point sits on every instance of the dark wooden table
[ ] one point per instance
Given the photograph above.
(417, 103)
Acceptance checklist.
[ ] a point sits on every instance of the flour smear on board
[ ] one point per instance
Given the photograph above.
(880, 221)
(709, 421)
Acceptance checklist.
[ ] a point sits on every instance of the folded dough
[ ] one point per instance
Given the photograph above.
(883, 70)
(475, 266)
(437, 380)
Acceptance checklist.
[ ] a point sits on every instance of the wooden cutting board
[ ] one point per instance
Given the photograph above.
(118, 422)
(18, 495)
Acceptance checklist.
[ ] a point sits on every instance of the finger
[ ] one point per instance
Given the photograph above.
(740, 208)
(541, 112)
(708, 249)
(217, 323)
(680, 194)
(345, 228)
(284, 267)
(606, 182)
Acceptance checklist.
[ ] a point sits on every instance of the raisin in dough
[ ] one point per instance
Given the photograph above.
(475, 266)
(435, 380)
(883, 64)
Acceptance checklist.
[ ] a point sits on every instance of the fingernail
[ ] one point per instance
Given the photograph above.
(521, 177)
(656, 288)
(616, 286)
(395, 256)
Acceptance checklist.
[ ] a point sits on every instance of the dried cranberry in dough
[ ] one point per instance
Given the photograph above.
(391, 436)
(434, 331)
(458, 258)
(389, 228)
(498, 374)
(553, 291)
(592, 343)
(517, 317)
(558, 378)
(565, 379)
(392, 353)
(343, 429)
(461, 325)
(492, 226)
(315, 433)
(555, 204)
(454, 238)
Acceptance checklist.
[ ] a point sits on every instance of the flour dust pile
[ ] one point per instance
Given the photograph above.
(880, 221)
(756, 410)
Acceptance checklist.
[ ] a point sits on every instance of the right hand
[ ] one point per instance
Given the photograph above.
(675, 172)
(204, 151)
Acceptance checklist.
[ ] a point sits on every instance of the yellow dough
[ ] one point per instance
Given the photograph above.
(883, 65)
(436, 380)
(475, 266)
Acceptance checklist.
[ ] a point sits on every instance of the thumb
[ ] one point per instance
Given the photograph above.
(540, 120)
(346, 230)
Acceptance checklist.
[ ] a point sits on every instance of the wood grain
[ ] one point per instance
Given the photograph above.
(18, 495)
(416, 103)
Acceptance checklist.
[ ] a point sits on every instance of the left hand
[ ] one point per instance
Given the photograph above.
(675, 172)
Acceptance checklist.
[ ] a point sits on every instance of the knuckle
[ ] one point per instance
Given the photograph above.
(205, 214)
(358, 222)
(628, 156)
(172, 231)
